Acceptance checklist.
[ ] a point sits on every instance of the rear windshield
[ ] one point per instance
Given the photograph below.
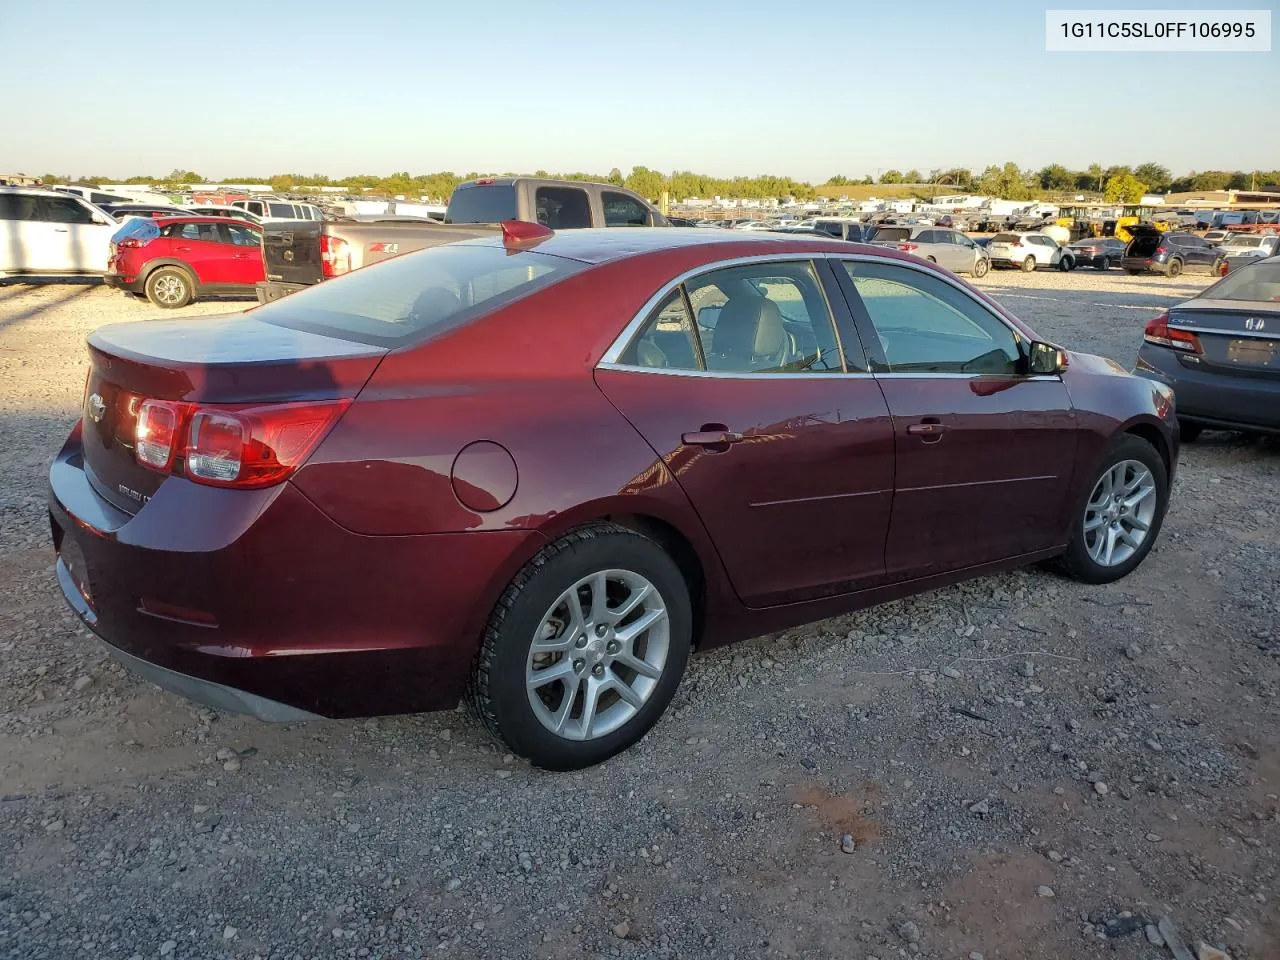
(1006, 238)
(418, 295)
(491, 203)
(143, 229)
(1258, 282)
(893, 233)
(1245, 242)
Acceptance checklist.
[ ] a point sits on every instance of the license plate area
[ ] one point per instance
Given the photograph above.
(77, 567)
(1253, 353)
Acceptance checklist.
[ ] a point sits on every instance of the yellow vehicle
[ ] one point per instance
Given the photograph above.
(1109, 220)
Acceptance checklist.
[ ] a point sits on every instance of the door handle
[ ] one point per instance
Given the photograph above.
(713, 436)
(929, 430)
(183, 249)
(60, 230)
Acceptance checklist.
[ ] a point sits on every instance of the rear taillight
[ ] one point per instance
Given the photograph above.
(129, 243)
(908, 247)
(1159, 331)
(335, 256)
(1163, 248)
(232, 446)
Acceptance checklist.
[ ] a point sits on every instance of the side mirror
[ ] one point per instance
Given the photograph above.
(1044, 359)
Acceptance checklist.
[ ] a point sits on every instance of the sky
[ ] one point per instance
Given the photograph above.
(802, 89)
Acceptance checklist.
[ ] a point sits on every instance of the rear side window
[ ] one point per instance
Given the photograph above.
(621, 210)
(486, 203)
(285, 211)
(1006, 238)
(1259, 282)
(17, 206)
(418, 295)
(562, 208)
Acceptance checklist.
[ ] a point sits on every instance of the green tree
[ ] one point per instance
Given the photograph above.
(648, 183)
(1090, 179)
(1240, 181)
(891, 176)
(912, 176)
(615, 177)
(1056, 177)
(1153, 175)
(1210, 180)
(184, 176)
(839, 180)
(1007, 182)
(1124, 188)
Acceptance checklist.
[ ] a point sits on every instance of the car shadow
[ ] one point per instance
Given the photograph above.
(76, 292)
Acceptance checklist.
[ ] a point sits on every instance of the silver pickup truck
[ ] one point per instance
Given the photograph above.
(300, 253)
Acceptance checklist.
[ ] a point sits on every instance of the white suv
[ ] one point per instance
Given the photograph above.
(269, 208)
(1028, 250)
(44, 231)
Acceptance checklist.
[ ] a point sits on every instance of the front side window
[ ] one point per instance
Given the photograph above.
(759, 318)
(243, 236)
(58, 210)
(562, 208)
(621, 210)
(18, 206)
(925, 325)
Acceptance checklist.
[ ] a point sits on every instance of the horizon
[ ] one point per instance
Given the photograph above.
(579, 88)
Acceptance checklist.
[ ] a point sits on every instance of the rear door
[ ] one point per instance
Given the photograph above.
(57, 250)
(736, 381)
(204, 248)
(984, 451)
(29, 242)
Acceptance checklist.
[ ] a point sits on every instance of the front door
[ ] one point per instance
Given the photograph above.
(737, 382)
(984, 451)
(206, 248)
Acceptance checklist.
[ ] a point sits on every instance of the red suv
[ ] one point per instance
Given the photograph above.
(173, 260)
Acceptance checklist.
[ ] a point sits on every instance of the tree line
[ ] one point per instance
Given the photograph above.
(1007, 180)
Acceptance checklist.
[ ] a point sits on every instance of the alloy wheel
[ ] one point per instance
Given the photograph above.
(598, 654)
(1120, 513)
(169, 289)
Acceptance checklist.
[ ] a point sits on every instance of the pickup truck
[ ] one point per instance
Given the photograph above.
(301, 253)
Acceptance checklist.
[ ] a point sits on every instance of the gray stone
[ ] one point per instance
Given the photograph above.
(909, 932)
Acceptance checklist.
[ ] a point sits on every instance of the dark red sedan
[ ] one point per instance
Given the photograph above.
(539, 469)
(173, 260)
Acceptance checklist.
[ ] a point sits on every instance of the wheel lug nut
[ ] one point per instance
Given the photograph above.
(598, 670)
(581, 642)
(601, 630)
(612, 647)
(578, 665)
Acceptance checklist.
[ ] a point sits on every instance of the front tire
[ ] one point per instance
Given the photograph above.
(1066, 264)
(1175, 268)
(1104, 264)
(1028, 264)
(1118, 519)
(585, 648)
(169, 288)
(981, 267)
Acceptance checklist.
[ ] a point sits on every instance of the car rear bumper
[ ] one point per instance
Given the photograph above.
(268, 290)
(1143, 264)
(1211, 398)
(256, 601)
(119, 282)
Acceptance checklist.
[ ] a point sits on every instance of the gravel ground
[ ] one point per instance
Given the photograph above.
(1017, 767)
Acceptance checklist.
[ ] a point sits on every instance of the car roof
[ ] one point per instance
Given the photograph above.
(186, 218)
(604, 245)
(39, 192)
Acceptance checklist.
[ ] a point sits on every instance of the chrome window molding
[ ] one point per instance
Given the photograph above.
(1256, 334)
(823, 375)
(611, 358)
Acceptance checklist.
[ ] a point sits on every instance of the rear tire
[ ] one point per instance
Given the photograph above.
(169, 288)
(1189, 432)
(1066, 264)
(1219, 267)
(1028, 264)
(1133, 273)
(1096, 554)
(553, 599)
(1103, 264)
(1175, 268)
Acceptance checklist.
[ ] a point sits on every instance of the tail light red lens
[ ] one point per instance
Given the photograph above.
(335, 256)
(1159, 331)
(908, 247)
(232, 446)
(129, 243)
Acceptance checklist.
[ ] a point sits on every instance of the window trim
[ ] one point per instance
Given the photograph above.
(611, 358)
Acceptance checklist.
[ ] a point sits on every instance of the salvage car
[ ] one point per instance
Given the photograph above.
(1027, 251)
(538, 469)
(174, 260)
(46, 232)
(1220, 351)
(945, 247)
(1153, 251)
(1098, 252)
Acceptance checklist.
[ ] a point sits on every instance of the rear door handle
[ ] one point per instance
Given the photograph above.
(711, 435)
(929, 430)
(61, 230)
(183, 249)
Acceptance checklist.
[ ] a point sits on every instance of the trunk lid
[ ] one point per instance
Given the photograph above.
(227, 359)
(1238, 338)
